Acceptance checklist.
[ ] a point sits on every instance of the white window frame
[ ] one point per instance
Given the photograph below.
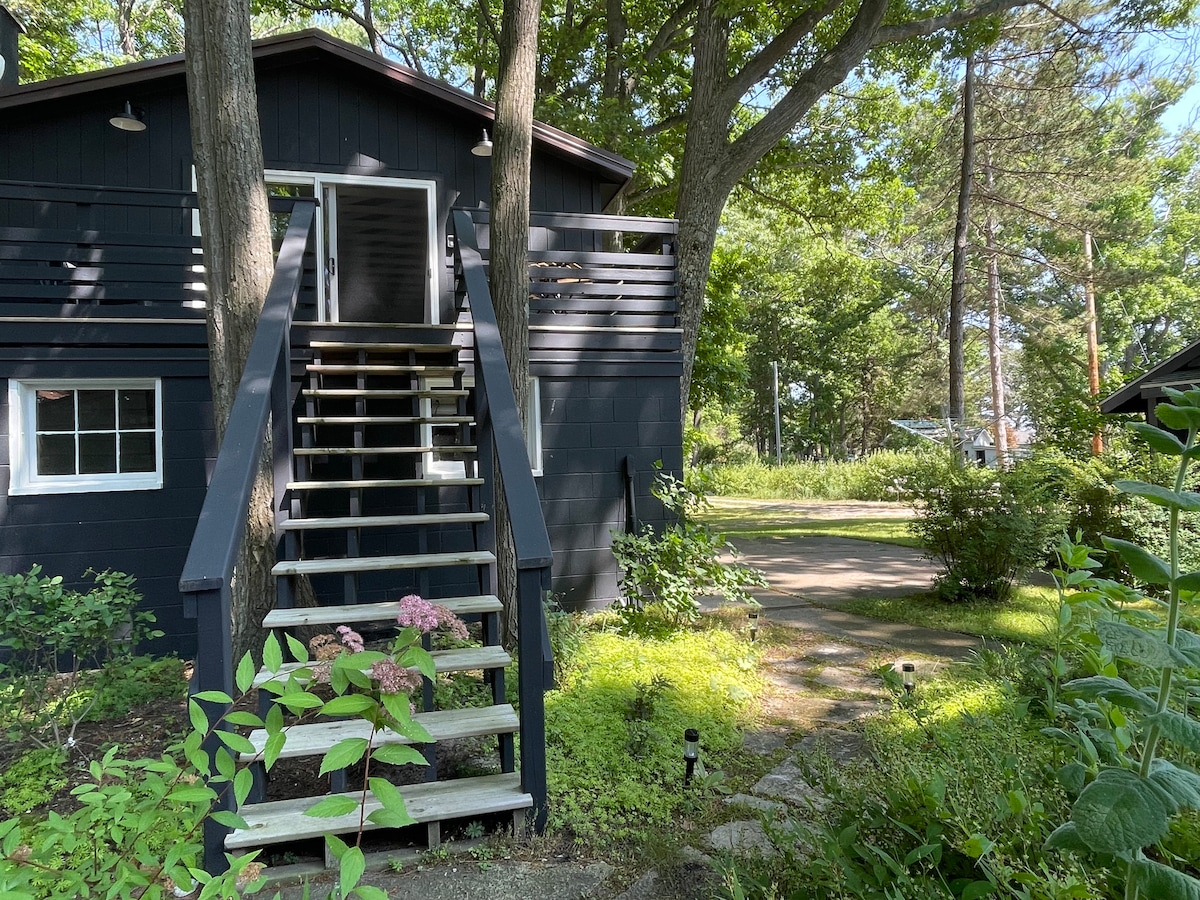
(22, 440)
(435, 468)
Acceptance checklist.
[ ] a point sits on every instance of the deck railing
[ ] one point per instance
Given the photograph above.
(499, 430)
(263, 394)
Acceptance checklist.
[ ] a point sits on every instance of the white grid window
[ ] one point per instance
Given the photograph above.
(81, 436)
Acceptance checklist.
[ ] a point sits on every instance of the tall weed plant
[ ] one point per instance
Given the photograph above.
(1132, 724)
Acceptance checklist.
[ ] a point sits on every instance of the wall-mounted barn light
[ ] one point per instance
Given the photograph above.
(129, 119)
(484, 147)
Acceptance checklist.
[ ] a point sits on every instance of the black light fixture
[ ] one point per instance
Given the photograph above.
(129, 119)
(752, 616)
(908, 676)
(484, 147)
(691, 753)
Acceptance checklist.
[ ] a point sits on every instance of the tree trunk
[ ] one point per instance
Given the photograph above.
(1093, 337)
(958, 284)
(510, 238)
(236, 236)
(995, 350)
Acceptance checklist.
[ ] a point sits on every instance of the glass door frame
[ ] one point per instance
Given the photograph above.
(324, 187)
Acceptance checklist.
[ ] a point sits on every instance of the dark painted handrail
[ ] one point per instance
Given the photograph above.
(208, 571)
(531, 541)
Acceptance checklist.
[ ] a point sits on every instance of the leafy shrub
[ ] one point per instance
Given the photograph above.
(986, 528)
(42, 623)
(671, 569)
(883, 475)
(598, 789)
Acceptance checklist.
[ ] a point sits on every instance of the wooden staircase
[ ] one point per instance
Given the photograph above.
(385, 501)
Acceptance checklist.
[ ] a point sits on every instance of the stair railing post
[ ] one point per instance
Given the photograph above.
(281, 455)
(530, 688)
(214, 672)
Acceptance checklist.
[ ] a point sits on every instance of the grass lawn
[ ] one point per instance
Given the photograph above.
(1028, 616)
(750, 518)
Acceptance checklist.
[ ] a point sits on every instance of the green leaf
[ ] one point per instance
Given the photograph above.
(343, 753)
(1117, 691)
(1182, 784)
(352, 867)
(370, 892)
(198, 716)
(398, 755)
(1121, 811)
(1188, 501)
(1177, 728)
(1073, 777)
(229, 819)
(348, 705)
(1138, 645)
(244, 677)
(386, 818)
(213, 697)
(299, 701)
(1188, 582)
(419, 657)
(191, 793)
(235, 742)
(1066, 837)
(272, 655)
(389, 797)
(273, 748)
(297, 649)
(226, 766)
(1153, 880)
(977, 889)
(1178, 418)
(1157, 438)
(336, 805)
(243, 783)
(244, 717)
(1144, 565)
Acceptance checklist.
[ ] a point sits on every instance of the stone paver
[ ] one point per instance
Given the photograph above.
(844, 678)
(761, 804)
(840, 746)
(747, 838)
(789, 783)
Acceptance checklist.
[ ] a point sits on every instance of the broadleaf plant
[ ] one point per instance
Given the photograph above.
(1140, 711)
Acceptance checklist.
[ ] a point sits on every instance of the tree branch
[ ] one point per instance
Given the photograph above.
(759, 65)
(924, 27)
(667, 33)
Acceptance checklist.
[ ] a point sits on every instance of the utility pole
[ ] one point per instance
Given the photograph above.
(775, 400)
(1093, 340)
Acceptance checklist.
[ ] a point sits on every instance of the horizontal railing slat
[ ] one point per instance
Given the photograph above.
(96, 237)
(601, 273)
(99, 195)
(591, 289)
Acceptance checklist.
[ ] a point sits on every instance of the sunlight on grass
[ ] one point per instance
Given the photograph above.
(744, 519)
(1028, 616)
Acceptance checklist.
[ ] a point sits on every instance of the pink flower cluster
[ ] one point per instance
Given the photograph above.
(351, 638)
(393, 678)
(418, 613)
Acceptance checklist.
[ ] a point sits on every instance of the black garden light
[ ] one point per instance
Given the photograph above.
(691, 753)
(752, 617)
(908, 676)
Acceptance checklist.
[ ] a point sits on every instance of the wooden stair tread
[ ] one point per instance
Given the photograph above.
(284, 820)
(462, 659)
(368, 451)
(380, 368)
(385, 420)
(373, 612)
(443, 725)
(383, 483)
(383, 563)
(383, 521)
(383, 346)
(372, 393)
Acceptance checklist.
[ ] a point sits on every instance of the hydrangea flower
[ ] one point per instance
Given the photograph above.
(393, 678)
(416, 612)
(351, 638)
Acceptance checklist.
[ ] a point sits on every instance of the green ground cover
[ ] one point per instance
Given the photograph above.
(1028, 616)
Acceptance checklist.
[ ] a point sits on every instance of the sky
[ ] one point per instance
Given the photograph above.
(1180, 51)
